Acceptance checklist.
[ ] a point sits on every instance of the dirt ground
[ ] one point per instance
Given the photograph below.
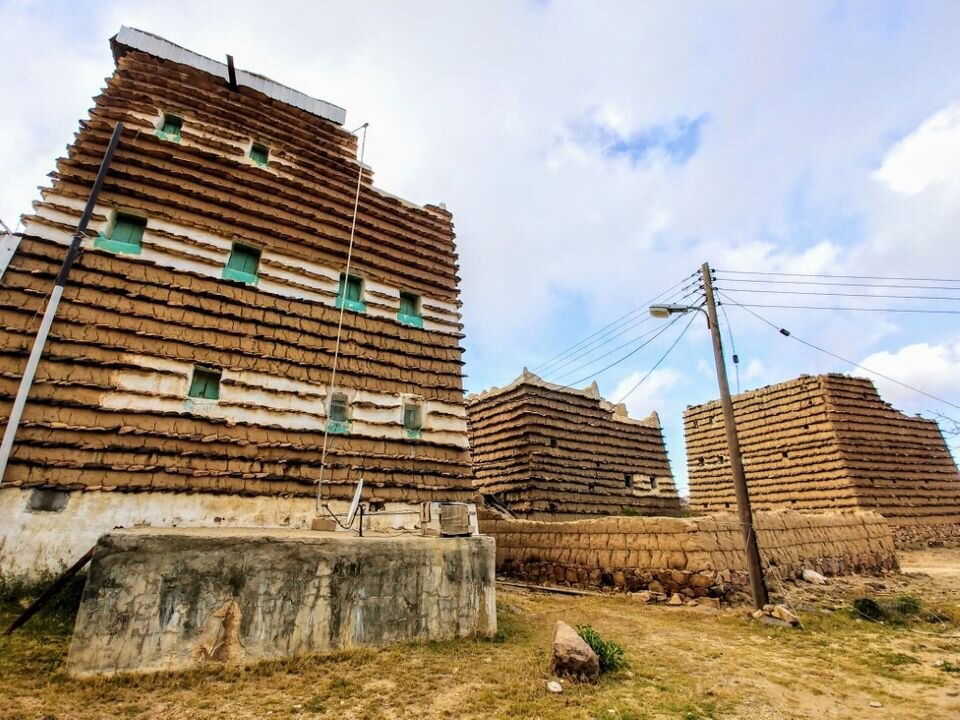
(687, 663)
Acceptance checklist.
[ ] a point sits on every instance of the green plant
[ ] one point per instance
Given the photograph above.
(950, 667)
(611, 654)
(869, 608)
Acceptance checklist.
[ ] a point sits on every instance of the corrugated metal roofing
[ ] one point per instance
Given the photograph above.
(158, 47)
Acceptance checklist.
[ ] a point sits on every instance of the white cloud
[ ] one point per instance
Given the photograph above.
(933, 368)
(649, 396)
(928, 156)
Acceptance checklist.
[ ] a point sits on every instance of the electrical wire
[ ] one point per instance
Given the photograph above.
(640, 308)
(733, 346)
(787, 333)
(921, 311)
(343, 307)
(663, 357)
(841, 294)
(629, 354)
(654, 331)
(896, 286)
(842, 277)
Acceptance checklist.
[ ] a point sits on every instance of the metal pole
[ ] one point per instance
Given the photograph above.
(757, 587)
(26, 382)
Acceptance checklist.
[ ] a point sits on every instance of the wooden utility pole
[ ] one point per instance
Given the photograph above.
(757, 586)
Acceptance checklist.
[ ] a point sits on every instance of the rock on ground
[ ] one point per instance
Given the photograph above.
(572, 656)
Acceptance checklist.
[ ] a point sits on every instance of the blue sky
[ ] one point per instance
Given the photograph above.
(596, 154)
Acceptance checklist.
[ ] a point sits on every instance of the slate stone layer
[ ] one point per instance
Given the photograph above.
(554, 453)
(825, 443)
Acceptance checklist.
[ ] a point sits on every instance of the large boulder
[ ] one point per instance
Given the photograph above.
(572, 656)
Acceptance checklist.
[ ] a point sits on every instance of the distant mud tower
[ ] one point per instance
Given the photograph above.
(193, 351)
(548, 452)
(828, 443)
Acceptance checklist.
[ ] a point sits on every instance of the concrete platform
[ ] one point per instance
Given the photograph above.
(166, 599)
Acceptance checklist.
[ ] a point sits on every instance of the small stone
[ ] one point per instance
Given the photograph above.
(644, 596)
(781, 613)
(875, 704)
(554, 687)
(776, 622)
(656, 587)
(757, 614)
(691, 603)
(710, 602)
(812, 576)
(675, 600)
(571, 654)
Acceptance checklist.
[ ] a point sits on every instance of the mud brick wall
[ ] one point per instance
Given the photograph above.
(109, 408)
(695, 557)
(825, 443)
(554, 453)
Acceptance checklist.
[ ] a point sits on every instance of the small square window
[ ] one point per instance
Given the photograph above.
(170, 127)
(350, 293)
(628, 481)
(243, 264)
(410, 312)
(653, 482)
(125, 236)
(205, 384)
(338, 420)
(259, 154)
(413, 420)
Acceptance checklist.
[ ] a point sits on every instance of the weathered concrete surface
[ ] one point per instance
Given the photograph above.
(163, 599)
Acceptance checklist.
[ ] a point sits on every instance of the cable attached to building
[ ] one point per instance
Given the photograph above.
(343, 307)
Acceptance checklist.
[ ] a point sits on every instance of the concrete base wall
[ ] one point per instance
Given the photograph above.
(172, 599)
(35, 541)
(695, 556)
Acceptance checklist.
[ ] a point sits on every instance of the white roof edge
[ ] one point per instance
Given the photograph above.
(161, 48)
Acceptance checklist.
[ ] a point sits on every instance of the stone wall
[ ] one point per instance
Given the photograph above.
(919, 535)
(695, 556)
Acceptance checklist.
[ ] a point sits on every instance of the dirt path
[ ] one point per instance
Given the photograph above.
(686, 663)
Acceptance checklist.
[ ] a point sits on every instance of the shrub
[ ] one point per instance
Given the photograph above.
(610, 653)
(869, 608)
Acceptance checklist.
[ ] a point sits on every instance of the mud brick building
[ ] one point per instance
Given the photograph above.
(186, 379)
(828, 442)
(548, 452)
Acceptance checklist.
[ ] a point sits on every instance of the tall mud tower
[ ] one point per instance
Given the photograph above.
(189, 367)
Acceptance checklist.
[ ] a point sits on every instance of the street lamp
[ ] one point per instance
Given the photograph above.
(757, 587)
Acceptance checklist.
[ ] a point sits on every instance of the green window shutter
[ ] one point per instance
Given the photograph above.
(243, 264)
(411, 417)
(338, 408)
(350, 293)
(205, 384)
(259, 154)
(409, 303)
(171, 126)
(128, 230)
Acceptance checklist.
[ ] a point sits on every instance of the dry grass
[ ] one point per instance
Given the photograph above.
(683, 664)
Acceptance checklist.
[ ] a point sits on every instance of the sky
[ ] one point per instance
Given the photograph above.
(596, 154)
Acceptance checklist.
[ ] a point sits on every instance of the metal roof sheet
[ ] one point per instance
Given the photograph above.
(158, 47)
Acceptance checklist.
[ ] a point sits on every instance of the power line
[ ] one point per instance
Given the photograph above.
(897, 286)
(662, 358)
(842, 294)
(843, 277)
(787, 333)
(629, 354)
(600, 342)
(609, 352)
(733, 347)
(854, 309)
(640, 308)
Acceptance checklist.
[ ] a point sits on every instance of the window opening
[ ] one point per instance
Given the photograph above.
(628, 481)
(412, 420)
(260, 154)
(170, 127)
(410, 310)
(243, 264)
(339, 418)
(350, 293)
(205, 384)
(126, 235)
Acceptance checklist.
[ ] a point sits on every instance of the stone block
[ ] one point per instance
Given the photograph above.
(167, 599)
